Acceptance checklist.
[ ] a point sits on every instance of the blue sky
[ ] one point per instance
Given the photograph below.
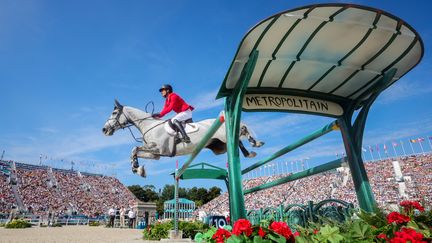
(63, 63)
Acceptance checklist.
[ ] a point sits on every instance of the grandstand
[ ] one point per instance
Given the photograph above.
(408, 178)
(42, 190)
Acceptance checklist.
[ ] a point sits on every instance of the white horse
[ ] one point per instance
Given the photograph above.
(159, 139)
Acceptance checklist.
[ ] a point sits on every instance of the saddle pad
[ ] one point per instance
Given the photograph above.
(190, 128)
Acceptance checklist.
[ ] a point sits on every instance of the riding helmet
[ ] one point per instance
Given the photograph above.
(166, 87)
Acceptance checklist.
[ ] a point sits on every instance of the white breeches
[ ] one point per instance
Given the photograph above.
(183, 116)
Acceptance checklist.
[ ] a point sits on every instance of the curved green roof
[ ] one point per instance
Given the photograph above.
(181, 200)
(328, 52)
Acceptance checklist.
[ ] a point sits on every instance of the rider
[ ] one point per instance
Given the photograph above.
(176, 103)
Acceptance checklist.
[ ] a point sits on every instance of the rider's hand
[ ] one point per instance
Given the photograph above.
(156, 115)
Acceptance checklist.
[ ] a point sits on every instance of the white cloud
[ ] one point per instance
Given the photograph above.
(405, 89)
(397, 131)
(73, 144)
(206, 100)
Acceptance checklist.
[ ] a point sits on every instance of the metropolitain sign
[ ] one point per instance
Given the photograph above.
(291, 103)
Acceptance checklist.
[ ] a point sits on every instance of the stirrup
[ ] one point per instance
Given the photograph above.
(186, 139)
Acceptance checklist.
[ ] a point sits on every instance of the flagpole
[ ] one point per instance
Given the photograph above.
(421, 146)
(394, 149)
(430, 145)
(385, 150)
(370, 151)
(379, 153)
(411, 146)
(403, 149)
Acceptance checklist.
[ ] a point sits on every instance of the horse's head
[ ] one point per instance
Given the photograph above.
(116, 121)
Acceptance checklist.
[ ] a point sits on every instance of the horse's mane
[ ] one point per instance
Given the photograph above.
(139, 114)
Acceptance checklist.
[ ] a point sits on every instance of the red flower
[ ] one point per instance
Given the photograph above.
(408, 205)
(261, 232)
(382, 236)
(315, 231)
(242, 226)
(282, 229)
(407, 235)
(397, 217)
(221, 235)
(296, 234)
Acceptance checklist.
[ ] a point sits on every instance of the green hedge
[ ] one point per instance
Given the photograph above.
(17, 224)
(94, 223)
(160, 230)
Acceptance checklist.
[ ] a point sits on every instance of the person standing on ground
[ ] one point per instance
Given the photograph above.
(131, 216)
(111, 213)
(122, 217)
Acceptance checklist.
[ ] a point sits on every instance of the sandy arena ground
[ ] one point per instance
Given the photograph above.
(68, 234)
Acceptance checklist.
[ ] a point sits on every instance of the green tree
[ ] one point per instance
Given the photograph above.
(213, 193)
(146, 193)
(138, 191)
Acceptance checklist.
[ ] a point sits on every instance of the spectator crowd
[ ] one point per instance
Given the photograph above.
(338, 184)
(43, 190)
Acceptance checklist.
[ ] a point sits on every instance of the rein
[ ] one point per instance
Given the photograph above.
(133, 122)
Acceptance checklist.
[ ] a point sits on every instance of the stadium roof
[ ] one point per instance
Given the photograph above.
(334, 52)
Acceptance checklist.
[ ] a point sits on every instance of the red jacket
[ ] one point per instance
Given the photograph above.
(176, 103)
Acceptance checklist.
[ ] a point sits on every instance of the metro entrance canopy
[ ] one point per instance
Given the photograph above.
(325, 59)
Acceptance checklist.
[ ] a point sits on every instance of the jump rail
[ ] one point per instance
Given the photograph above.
(215, 126)
(312, 171)
(326, 129)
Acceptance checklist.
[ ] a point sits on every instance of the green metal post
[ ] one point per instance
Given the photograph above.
(233, 108)
(326, 129)
(362, 186)
(176, 203)
(352, 136)
(312, 171)
(212, 130)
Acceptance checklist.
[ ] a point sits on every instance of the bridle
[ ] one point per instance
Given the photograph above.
(129, 123)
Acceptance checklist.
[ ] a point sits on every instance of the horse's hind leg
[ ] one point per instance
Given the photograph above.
(245, 152)
(253, 142)
(134, 159)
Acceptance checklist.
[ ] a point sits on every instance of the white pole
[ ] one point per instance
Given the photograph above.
(429, 140)
(411, 146)
(378, 149)
(421, 146)
(393, 145)
(403, 149)
(370, 151)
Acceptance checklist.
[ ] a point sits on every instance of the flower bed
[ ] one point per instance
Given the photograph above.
(411, 224)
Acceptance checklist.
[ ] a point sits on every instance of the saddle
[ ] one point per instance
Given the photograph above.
(172, 130)
(188, 125)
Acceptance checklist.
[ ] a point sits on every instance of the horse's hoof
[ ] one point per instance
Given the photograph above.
(141, 171)
(134, 170)
(258, 144)
(251, 155)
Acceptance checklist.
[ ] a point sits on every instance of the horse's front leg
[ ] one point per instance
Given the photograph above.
(145, 153)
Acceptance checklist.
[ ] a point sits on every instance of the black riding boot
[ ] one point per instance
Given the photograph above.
(180, 128)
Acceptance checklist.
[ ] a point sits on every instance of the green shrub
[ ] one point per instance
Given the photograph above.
(377, 226)
(57, 225)
(95, 223)
(2, 224)
(190, 229)
(18, 223)
(160, 230)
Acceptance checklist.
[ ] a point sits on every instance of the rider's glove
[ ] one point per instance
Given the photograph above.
(156, 115)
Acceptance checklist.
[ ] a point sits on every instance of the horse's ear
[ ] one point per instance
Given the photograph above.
(117, 104)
